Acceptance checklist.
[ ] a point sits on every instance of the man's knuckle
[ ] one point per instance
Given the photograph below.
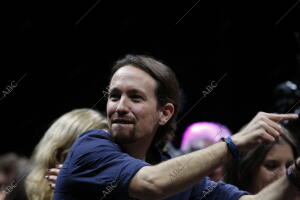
(260, 113)
(261, 123)
(264, 118)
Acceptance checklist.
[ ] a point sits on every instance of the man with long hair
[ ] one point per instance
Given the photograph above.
(127, 163)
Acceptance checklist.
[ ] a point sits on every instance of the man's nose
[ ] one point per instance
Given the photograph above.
(123, 106)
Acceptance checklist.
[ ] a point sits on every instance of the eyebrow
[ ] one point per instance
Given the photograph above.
(113, 89)
(135, 91)
(130, 91)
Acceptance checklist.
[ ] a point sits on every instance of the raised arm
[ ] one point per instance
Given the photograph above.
(175, 175)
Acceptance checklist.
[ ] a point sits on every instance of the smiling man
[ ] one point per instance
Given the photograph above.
(133, 110)
(142, 108)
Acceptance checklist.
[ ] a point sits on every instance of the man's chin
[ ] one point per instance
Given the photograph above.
(123, 137)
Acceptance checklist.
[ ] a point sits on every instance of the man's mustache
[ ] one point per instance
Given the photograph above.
(122, 120)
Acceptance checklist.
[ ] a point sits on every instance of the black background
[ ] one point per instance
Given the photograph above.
(64, 51)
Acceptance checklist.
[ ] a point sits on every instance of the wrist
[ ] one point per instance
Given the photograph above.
(233, 148)
(240, 141)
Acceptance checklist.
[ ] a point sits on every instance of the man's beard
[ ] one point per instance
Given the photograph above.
(123, 137)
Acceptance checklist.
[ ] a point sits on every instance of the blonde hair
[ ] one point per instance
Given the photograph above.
(54, 146)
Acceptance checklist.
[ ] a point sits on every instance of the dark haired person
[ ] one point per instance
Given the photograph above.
(128, 164)
(262, 165)
(265, 164)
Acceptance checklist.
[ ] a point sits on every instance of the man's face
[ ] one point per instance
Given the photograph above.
(132, 105)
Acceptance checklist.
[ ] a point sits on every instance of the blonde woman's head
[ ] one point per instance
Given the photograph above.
(54, 146)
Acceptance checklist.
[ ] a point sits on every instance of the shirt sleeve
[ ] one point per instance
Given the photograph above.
(96, 164)
(210, 190)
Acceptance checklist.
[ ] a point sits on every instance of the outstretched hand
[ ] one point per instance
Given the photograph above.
(264, 128)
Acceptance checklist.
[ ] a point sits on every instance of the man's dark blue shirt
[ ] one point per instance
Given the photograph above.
(96, 168)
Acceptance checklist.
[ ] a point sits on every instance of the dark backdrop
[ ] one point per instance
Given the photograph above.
(61, 53)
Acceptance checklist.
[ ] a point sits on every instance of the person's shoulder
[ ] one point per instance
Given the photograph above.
(96, 133)
(93, 144)
(94, 139)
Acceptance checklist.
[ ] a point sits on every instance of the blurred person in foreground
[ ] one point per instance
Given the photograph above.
(13, 170)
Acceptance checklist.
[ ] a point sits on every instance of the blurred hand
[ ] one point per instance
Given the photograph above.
(264, 128)
(52, 175)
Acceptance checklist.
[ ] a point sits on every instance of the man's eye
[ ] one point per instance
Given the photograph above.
(136, 97)
(113, 97)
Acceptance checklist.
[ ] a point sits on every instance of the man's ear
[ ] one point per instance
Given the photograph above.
(166, 112)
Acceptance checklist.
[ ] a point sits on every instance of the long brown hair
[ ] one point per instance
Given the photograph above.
(241, 174)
